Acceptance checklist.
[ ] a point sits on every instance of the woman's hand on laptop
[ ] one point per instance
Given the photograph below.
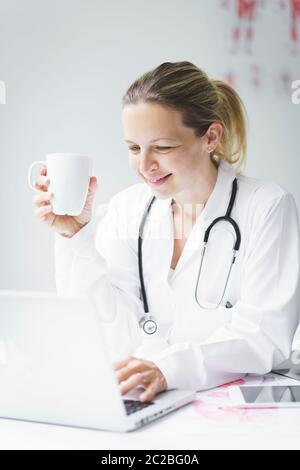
(65, 225)
(133, 371)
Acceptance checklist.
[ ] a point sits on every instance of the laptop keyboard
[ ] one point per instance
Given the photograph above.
(132, 406)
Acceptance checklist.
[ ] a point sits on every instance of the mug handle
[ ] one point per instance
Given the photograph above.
(39, 162)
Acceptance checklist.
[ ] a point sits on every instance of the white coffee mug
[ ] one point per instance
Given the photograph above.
(69, 176)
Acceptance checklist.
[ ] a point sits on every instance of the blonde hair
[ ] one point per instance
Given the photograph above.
(186, 88)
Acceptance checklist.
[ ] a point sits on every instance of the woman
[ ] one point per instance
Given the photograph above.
(186, 136)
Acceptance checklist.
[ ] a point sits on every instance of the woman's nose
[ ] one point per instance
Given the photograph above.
(146, 163)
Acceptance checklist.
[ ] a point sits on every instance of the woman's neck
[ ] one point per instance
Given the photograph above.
(189, 204)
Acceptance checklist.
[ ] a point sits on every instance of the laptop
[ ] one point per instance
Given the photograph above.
(291, 367)
(56, 369)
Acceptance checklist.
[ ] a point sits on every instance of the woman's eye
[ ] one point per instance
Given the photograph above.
(134, 149)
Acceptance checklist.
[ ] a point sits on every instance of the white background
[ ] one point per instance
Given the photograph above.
(66, 65)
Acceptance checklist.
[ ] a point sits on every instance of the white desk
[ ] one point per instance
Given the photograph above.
(199, 425)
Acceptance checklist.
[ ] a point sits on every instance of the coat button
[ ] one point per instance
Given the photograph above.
(228, 304)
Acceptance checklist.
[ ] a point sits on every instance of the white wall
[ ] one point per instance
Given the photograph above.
(66, 65)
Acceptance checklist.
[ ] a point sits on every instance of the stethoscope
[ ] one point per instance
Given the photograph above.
(147, 322)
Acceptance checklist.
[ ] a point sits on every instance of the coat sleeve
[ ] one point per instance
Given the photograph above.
(260, 333)
(100, 264)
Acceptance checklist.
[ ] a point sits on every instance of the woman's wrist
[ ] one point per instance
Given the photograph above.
(76, 227)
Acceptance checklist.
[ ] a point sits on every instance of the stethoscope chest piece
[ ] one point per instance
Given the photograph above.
(149, 326)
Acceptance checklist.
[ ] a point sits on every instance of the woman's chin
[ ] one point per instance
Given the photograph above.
(162, 196)
(162, 193)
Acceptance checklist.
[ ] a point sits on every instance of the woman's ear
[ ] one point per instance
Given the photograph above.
(214, 135)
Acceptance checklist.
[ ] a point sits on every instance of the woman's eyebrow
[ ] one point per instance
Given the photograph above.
(154, 140)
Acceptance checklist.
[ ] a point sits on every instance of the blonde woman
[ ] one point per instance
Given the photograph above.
(175, 315)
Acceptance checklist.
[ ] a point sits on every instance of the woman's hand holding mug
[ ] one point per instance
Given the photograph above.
(66, 225)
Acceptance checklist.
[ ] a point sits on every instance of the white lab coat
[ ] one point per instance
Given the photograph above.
(195, 348)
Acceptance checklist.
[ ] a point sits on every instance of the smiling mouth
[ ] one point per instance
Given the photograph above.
(158, 180)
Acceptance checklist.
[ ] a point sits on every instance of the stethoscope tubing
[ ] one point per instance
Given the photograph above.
(226, 218)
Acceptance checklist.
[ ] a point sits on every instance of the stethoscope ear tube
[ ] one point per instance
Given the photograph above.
(235, 226)
(235, 249)
(227, 218)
